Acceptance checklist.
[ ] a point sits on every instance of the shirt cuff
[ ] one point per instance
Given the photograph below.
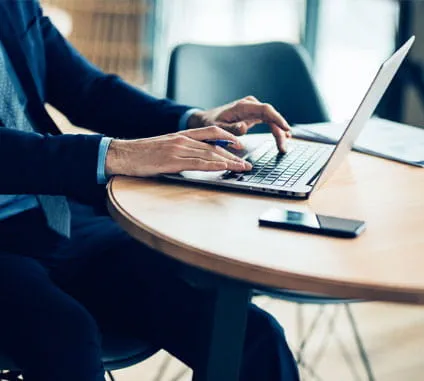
(182, 125)
(101, 161)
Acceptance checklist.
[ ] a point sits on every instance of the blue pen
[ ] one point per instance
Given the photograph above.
(218, 142)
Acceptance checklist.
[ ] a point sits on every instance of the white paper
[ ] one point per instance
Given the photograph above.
(380, 137)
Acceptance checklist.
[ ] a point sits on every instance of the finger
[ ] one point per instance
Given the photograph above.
(280, 138)
(212, 153)
(263, 111)
(223, 152)
(217, 154)
(183, 146)
(237, 129)
(213, 133)
(198, 164)
(251, 98)
(241, 128)
(200, 145)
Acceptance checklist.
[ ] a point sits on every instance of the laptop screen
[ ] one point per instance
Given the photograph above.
(370, 101)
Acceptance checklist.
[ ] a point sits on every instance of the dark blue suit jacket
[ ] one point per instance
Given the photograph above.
(52, 71)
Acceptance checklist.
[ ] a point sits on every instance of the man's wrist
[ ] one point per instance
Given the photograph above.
(183, 123)
(115, 158)
(101, 160)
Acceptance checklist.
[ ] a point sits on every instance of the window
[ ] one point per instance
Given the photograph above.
(114, 35)
(354, 38)
(222, 22)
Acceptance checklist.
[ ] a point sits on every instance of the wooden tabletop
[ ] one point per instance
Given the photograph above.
(218, 230)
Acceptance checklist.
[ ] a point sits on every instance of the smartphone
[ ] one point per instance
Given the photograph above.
(312, 223)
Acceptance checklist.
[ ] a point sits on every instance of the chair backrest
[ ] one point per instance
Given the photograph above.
(276, 72)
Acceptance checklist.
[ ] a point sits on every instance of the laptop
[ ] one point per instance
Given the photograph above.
(306, 165)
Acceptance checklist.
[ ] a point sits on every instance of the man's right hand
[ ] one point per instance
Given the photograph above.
(173, 153)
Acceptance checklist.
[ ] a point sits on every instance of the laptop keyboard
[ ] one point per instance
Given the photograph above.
(273, 168)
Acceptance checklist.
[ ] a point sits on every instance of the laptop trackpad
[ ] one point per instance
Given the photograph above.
(201, 175)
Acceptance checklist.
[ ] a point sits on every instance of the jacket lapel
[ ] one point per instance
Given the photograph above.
(11, 42)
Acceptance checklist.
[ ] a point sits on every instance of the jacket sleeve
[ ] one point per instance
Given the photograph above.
(31, 163)
(101, 102)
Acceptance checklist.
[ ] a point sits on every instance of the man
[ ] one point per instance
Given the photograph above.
(63, 280)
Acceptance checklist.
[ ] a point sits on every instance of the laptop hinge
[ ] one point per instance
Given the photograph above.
(314, 178)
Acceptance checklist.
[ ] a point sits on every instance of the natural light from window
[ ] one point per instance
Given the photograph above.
(222, 22)
(351, 41)
(351, 44)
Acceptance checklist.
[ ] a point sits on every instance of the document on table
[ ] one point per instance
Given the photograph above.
(380, 137)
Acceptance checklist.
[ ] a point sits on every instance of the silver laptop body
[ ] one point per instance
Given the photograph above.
(306, 165)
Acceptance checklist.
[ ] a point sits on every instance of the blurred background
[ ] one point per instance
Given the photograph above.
(346, 40)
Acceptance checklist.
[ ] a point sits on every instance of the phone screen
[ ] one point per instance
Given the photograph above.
(307, 221)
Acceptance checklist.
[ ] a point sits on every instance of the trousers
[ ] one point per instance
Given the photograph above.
(59, 295)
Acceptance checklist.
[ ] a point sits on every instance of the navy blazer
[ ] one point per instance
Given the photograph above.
(51, 70)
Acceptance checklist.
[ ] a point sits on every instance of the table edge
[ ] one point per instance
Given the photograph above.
(255, 275)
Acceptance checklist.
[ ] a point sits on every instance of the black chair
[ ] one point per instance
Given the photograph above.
(118, 352)
(279, 73)
(275, 72)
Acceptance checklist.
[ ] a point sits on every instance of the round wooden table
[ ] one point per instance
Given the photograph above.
(217, 231)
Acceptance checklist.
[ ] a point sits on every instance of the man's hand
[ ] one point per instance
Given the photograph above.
(239, 116)
(173, 153)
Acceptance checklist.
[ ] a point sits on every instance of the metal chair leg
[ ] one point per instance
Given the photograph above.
(163, 368)
(180, 374)
(309, 368)
(304, 339)
(331, 332)
(328, 333)
(300, 322)
(348, 359)
(360, 344)
(311, 329)
(110, 375)
(312, 374)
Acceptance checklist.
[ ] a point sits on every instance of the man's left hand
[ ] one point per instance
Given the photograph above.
(239, 116)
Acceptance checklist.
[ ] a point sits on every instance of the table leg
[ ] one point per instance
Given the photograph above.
(223, 352)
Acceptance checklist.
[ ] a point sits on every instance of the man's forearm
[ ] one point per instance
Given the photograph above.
(119, 151)
(32, 163)
(173, 153)
(118, 158)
